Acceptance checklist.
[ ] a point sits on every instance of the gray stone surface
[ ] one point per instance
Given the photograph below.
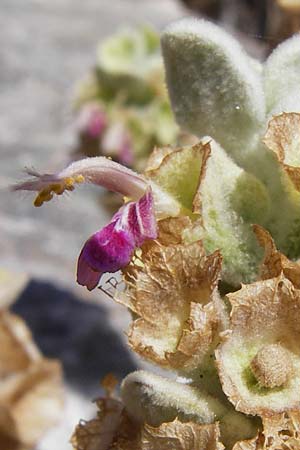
(46, 45)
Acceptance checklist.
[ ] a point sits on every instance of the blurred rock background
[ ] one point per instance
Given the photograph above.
(46, 46)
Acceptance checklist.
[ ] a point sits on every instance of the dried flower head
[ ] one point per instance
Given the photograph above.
(258, 360)
(272, 366)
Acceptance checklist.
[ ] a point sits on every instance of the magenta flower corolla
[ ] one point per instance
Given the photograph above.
(112, 247)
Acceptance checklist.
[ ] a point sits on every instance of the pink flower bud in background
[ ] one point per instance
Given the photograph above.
(92, 120)
(116, 142)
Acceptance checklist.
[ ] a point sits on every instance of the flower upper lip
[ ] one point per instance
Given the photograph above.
(98, 170)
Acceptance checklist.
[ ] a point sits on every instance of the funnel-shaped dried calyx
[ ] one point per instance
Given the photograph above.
(265, 324)
(272, 366)
(172, 289)
(113, 429)
(283, 138)
(225, 208)
(168, 168)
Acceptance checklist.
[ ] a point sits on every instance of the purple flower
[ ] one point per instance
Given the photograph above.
(111, 248)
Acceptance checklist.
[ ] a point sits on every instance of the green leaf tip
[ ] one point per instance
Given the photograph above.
(215, 88)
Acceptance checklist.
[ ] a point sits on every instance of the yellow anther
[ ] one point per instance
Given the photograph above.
(79, 179)
(45, 192)
(48, 197)
(38, 201)
(68, 182)
(57, 188)
(45, 195)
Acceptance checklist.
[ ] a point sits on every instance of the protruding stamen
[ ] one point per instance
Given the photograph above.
(79, 179)
(67, 184)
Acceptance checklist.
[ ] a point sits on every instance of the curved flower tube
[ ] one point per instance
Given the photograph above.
(99, 170)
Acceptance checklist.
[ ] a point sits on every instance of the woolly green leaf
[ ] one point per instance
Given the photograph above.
(154, 399)
(214, 87)
(282, 78)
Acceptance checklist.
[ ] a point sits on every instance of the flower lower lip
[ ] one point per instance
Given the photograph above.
(112, 247)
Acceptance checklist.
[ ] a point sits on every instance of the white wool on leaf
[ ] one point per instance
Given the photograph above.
(214, 86)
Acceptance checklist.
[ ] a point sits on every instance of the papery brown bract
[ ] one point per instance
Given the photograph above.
(100, 433)
(274, 261)
(30, 386)
(181, 436)
(173, 291)
(283, 138)
(280, 432)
